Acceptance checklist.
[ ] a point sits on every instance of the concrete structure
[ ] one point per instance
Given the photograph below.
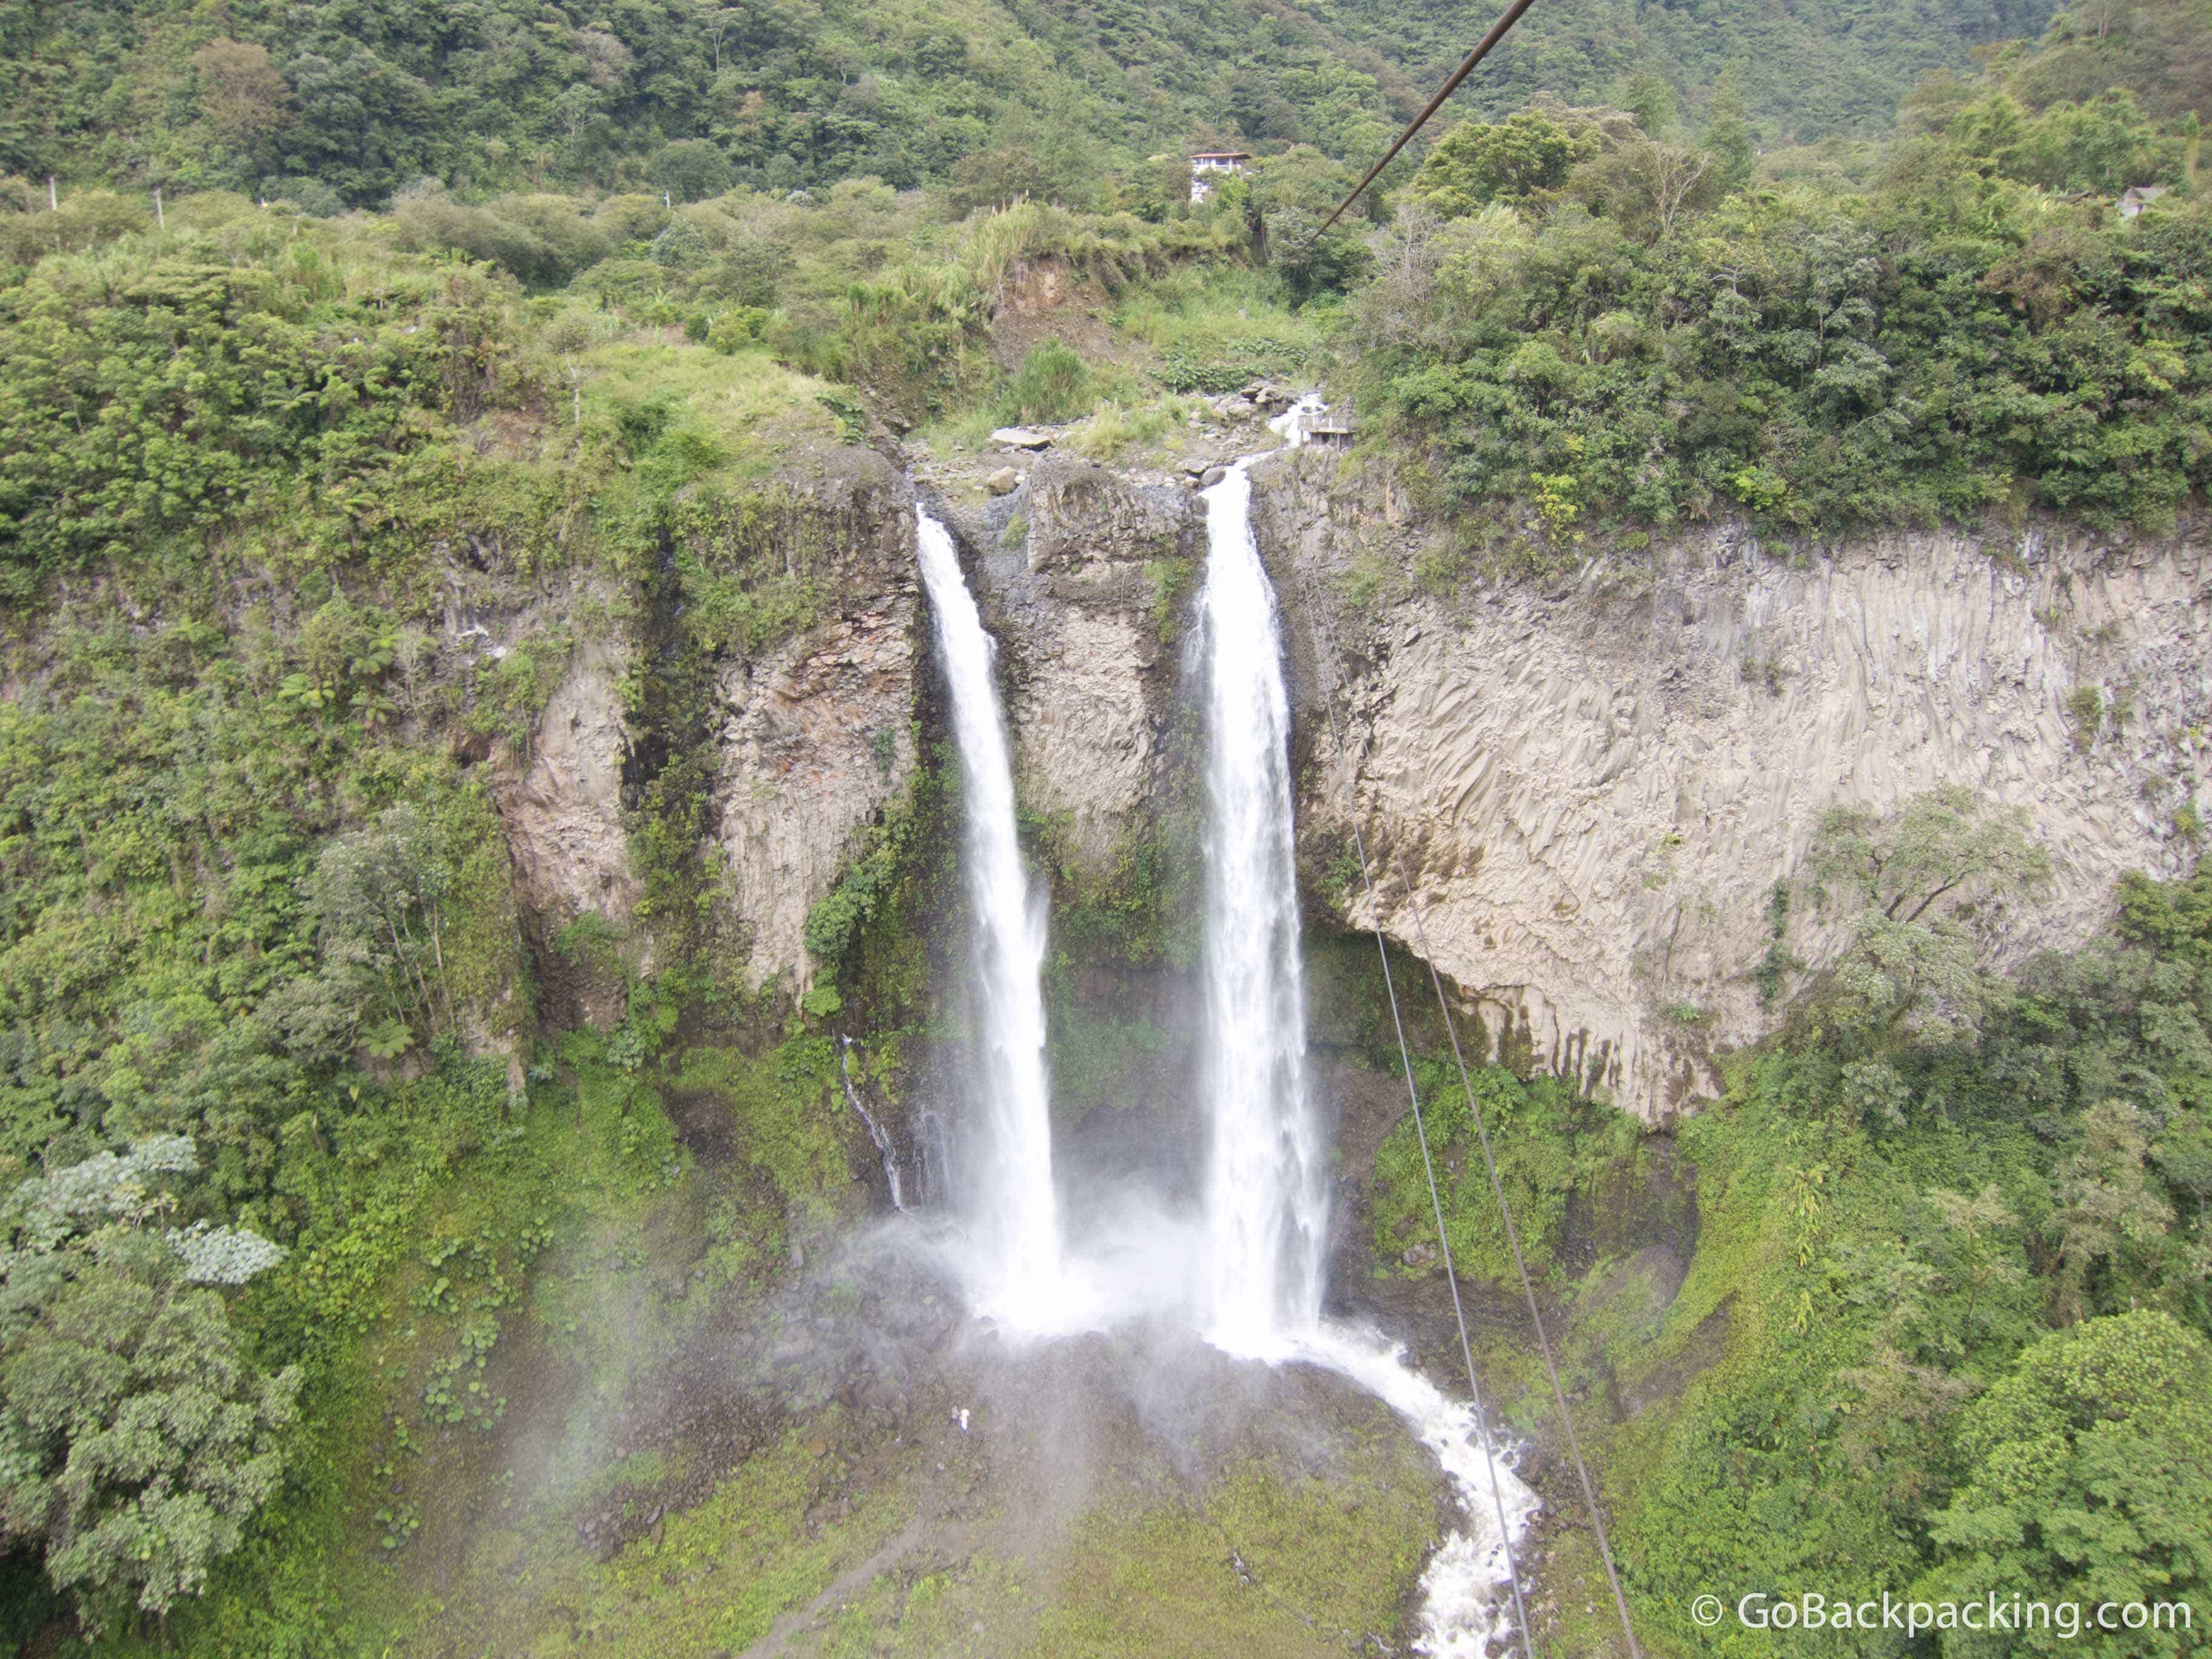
(1208, 164)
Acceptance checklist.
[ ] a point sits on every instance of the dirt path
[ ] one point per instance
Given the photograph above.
(928, 1529)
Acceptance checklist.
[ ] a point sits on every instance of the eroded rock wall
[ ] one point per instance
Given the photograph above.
(1079, 566)
(814, 736)
(560, 797)
(817, 741)
(1594, 789)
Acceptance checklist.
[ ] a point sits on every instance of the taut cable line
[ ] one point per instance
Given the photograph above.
(1324, 664)
(1421, 1132)
(1498, 31)
(1520, 1263)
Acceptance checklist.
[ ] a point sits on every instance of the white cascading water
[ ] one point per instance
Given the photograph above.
(1466, 1602)
(1266, 1221)
(1267, 1198)
(1011, 1208)
(885, 1150)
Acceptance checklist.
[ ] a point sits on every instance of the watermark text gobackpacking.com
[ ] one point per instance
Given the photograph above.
(1811, 1610)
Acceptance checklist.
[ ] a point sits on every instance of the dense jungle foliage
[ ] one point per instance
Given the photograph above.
(300, 1136)
(344, 104)
(1950, 1311)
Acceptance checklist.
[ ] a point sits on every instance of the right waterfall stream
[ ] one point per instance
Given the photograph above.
(1265, 1220)
(1267, 1194)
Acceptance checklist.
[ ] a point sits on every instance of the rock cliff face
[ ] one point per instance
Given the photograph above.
(818, 739)
(1594, 788)
(1593, 791)
(816, 734)
(563, 813)
(1079, 564)
(812, 736)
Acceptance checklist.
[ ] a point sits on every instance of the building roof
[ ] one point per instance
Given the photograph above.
(1221, 155)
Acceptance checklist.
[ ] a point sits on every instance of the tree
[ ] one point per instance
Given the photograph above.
(137, 1440)
(364, 125)
(1921, 976)
(1729, 137)
(1647, 185)
(1945, 842)
(997, 177)
(2102, 145)
(240, 90)
(2110, 1212)
(1313, 266)
(1980, 1251)
(1478, 162)
(1156, 191)
(690, 170)
(1302, 177)
(2171, 917)
(1907, 967)
(380, 896)
(2089, 1481)
(1648, 96)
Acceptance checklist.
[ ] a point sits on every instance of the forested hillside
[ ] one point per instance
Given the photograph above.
(1615, 321)
(593, 327)
(1807, 70)
(344, 104)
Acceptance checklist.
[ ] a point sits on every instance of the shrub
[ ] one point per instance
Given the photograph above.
(1053, 385)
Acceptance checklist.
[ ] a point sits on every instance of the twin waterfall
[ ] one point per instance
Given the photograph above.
(1259, 1247)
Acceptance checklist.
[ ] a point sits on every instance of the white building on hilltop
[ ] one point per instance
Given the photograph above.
(1207, 163)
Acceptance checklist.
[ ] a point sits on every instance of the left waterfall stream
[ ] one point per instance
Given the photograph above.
(1007, 1200)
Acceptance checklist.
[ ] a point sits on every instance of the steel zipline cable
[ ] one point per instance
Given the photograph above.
(1498, 31)
(1428, 1167)
(1324, 661)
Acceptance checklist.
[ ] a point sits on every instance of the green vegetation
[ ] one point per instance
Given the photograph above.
(194, 944)
(1590, 329)
(1550, 1146)
(335, 106)
(1588, 319)
(461, 342)
(2073, 1481)
(1053, 385)
(1944, 1332)
(259, 908)
(1807, 72)
(140, 1439)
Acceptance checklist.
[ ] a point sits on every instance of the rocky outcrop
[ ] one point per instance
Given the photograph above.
(812, 734)
(1076, 592)
(563, 813)
(816, 734)
(1594, 790)
(1081, 515)
(1593, 787)
(819, 740)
